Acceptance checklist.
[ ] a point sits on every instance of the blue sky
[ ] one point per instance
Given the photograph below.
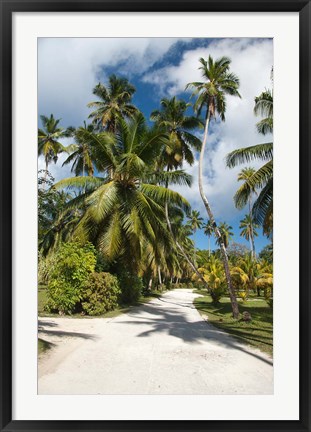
(68, 69)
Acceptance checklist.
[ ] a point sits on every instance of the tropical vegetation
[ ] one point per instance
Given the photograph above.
(117, 229)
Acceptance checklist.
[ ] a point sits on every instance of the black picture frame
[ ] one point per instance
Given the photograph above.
(7, 9)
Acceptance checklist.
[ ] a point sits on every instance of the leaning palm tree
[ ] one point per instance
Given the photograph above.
(248, 231)
(114, 103)
(208, 230)
(124, 212)
(211, 96)
(49, 136)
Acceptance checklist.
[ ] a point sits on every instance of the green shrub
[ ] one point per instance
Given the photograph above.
(45, 264)
(161, 287)
(101, 293)
(67, 278)
(131, 287)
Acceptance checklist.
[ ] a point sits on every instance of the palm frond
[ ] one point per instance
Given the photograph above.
(248, 154)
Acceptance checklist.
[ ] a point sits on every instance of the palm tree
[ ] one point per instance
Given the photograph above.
(253, 275)
(124, 212)
(114, 102)
(82, 155)
(243, 195)
(264, 108)
(48, 139)
(245, 192)
(211, 96)
(173, 120)
(214, 275)
(208, 230)
(195, 223)
(262, 210)
(226, 234)
(249, 232)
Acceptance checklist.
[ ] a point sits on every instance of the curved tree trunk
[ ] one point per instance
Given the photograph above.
(234, 303)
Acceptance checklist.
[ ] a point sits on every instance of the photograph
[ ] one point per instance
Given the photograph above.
(155, 215)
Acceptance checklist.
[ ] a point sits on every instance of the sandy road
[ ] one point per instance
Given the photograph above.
(163, 347)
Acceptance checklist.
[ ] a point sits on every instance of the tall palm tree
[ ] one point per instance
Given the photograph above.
(82, 154)
(195, 222)
(208, 230)
(249, 232)
(226, 234)
(49, 136)
(114, 102)
(124, 212)
(211, 96)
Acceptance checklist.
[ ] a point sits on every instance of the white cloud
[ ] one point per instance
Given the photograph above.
(68, 69)
(251, 61)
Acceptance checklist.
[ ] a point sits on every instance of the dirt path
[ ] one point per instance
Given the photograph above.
(163, 347)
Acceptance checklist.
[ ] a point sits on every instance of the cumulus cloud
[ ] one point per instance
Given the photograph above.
(252, 60)
(68, 69)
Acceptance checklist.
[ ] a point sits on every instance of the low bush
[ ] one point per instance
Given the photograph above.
(73, 264)
(45, 264)
(131, 287)
(101, 293)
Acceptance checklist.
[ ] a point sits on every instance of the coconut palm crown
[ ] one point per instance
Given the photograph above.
(114, 102)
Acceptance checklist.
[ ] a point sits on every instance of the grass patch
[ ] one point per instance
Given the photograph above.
(257, 333)
(42, 299)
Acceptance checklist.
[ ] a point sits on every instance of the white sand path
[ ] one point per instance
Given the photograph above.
(162, 347)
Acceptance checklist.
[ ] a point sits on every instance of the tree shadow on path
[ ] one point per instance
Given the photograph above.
(174, 322)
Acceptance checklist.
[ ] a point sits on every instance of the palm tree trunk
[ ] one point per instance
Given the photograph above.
(159, 275)
(252, 240)
(150, 284)
(209, 246)
(194, 250)
(234, 303)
